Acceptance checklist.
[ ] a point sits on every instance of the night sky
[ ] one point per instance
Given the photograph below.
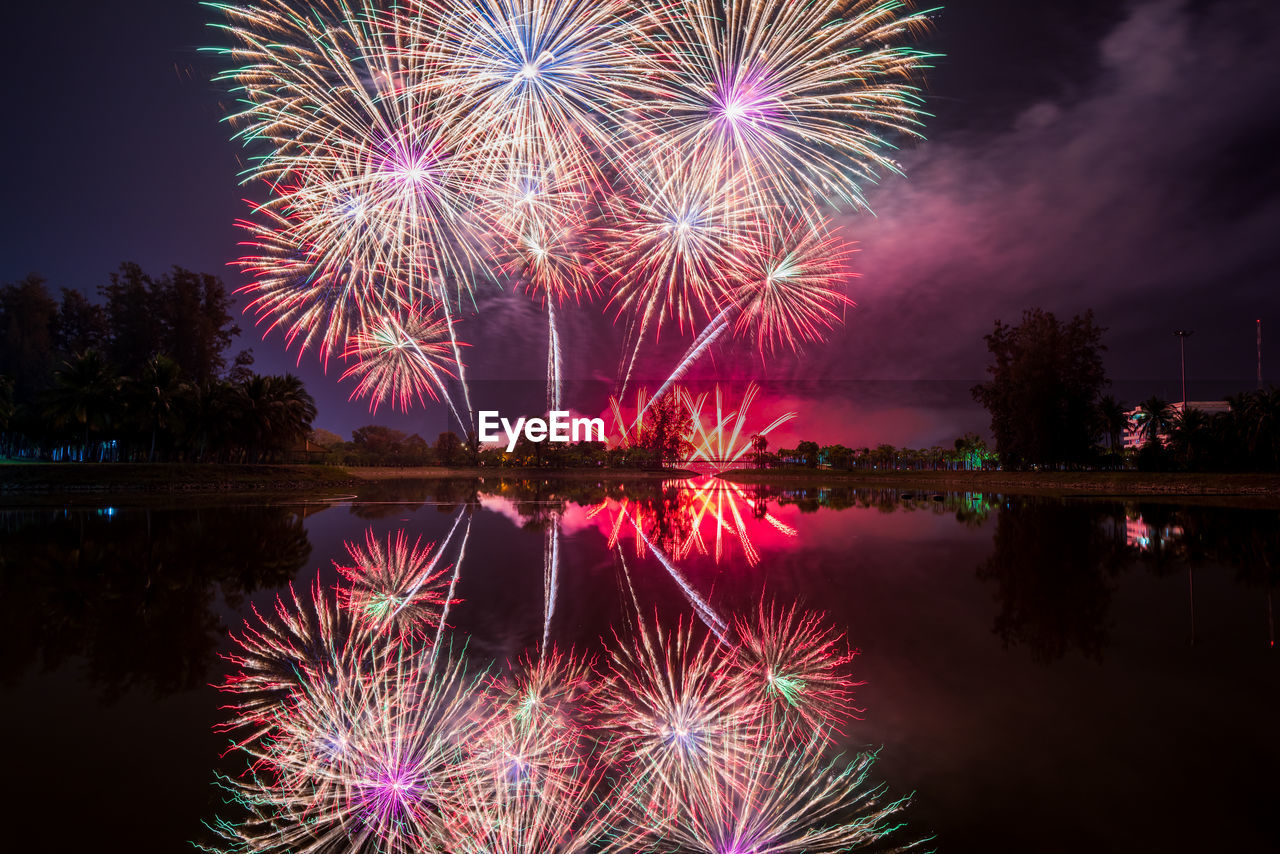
(1118, 156)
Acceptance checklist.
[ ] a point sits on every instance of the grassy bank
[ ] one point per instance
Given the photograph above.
(166, 477)
(442, 472)
(1049, 483)
(66, 478)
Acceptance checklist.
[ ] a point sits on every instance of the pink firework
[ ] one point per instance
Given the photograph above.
(400, 355)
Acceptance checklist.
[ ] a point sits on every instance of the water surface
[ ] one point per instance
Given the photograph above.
(1043, 674)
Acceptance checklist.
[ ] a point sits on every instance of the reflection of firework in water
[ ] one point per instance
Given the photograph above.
(394, 587)
(363, 734)
(726, 506)
(799, 665)
(784, 797)
(349, 740)
(676, 707)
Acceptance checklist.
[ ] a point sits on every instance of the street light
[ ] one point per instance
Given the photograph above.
(1183, 335)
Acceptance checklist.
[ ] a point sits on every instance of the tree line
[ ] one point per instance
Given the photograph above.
(1045, 395)
(141, 375)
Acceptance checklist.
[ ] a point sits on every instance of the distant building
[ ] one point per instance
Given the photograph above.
(1134, 437)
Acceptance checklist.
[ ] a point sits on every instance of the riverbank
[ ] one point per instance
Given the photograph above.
(151, 478)
(28, 478)
(489, 473)
(1118, 484)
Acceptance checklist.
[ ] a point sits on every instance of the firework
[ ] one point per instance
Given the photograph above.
(722, 439)
(394, 587)
(784, 796)
(534, 75)
(799, 665)
(676, 707)
(681, 151)
(795, 103)
(792, 293)
(795, 292)
(674, 249)
(399, 356)
(723, 503)
(374, 763)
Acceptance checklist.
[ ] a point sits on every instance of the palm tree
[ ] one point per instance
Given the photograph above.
(1112, 421)
(1191, 436)
(83, 394)
(758, 444)
(154, 396)
(274, 411)
(1155, 419)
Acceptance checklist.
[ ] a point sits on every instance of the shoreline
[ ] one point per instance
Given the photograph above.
(19, 480)
(31, 479)
(1111, 484)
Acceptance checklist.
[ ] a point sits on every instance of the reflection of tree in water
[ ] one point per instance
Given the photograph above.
(970, 508)
(133, 592)
(1053, 566)
(1242, 538)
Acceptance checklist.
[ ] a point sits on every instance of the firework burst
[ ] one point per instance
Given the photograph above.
(675, 708)
(401, 355)
(799, 665)
(791, 102)
(785, 797)
(394, 587)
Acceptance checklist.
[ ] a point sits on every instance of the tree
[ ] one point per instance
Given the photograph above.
(1155, 418)
(154, 396)
(665, 433)
(839, 457)
(1112, 421)
(809, 452)
(81, 325)
(28, 321)
(758, 445)
(136, 326)
(84, 396)
(1045, 381)
(198, 326)
(449, 448)
(183, 314)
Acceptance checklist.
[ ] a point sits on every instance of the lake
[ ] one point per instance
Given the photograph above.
(1036, 673)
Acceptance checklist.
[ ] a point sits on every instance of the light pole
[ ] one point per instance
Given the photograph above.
(1183, 335)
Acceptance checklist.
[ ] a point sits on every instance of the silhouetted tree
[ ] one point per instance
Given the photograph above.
(1045, 381)
(84, 397)
(666, 425)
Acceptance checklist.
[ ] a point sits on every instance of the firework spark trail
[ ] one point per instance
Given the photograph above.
(702, 608)
(785, 796)
(453, 582)
(553, 360)
(550, 574)
(714, 445)
(469, 425)
(439, 554)
(392, 587)
(705, 339)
